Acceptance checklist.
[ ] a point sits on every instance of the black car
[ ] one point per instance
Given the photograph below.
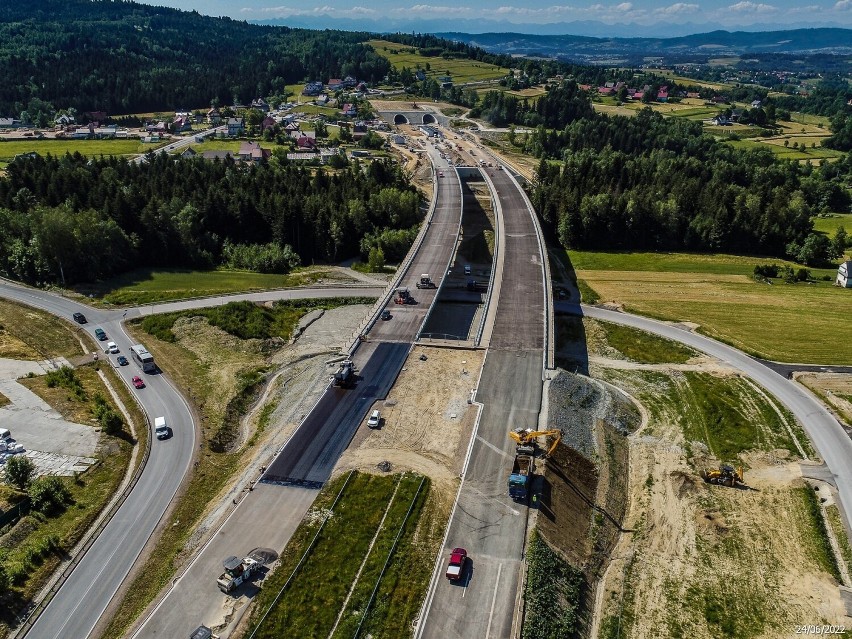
(386, 315)
(122, 360)
(79, 318)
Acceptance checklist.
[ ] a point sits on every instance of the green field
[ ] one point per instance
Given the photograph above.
(148, 286)
(828, 225)
(351, 549)
(785, 322)
(787, 153)
(90, 148)
(461, 70)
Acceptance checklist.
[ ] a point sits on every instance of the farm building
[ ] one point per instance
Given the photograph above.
(844, 275)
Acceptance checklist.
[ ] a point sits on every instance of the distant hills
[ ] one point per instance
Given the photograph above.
(832, 41)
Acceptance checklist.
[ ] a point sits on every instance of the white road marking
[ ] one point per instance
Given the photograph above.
(493, 601)
(493, 447)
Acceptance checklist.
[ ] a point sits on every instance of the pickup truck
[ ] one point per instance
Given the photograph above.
(457, 560)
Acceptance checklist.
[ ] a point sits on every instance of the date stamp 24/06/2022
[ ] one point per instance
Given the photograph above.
(813, 629)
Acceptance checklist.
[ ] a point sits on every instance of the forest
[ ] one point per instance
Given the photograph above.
(654, 183)
(123, 57)
(73, 219)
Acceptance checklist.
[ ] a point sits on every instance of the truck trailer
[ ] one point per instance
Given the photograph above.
(522, 470)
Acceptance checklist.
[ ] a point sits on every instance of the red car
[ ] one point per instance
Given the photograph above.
(137, 382)
(456, 568)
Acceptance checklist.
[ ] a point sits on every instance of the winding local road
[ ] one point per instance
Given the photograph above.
(830, 440)
(79, 603)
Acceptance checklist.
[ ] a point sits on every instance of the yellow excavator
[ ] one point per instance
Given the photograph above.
(527, 437)
(726, 475)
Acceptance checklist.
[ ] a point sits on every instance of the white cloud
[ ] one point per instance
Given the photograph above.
(745, 6)
(285, 11)
(678, 8)
(808, 9)
(624, 6)
(843, 5)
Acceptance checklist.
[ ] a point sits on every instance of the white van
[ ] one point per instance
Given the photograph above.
(161, 430)
(467, 269)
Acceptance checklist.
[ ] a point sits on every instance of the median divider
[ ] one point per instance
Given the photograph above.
(496, 259)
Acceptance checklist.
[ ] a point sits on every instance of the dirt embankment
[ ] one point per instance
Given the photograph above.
(426, 420)
(584, 498)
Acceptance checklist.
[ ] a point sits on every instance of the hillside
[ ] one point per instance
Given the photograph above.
(124, 57)
(695, 47)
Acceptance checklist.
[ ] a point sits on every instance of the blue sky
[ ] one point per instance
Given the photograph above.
(728, 13)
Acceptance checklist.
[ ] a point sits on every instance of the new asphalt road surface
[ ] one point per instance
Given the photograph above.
(486, 521)
(269, 514)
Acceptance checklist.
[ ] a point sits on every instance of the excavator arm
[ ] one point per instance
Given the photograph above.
(528, 436)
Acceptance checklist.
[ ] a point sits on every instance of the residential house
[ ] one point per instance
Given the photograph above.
(606, 90)
(359, 130)
(334, 84)
(268, 123)
(844, 275)
(420, 74)
(251, 152)
(586, 87)
(188, 153)
(349, 82)
(8, 123)
(181, 124)
(64, 120)
(756, 104)
(235, 126)
(721, 120)
(322, 99)
(260, 104)
(638, 95)
(290, 127)
(693, 94)
(736, 114)
(305, 141)
(105, 132)
(609, 85)
(350, 110)
(312, 88)
(214, 117)
(663, 94)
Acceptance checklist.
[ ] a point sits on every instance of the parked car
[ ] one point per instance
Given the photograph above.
(386, 314)
(440, 174)
(79, 318)
(122, 360)
(457, 560)
(137, 382)
(112, 348)
(375, 419)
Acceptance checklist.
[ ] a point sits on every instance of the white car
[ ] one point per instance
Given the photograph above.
(112, 348)
(375, 419)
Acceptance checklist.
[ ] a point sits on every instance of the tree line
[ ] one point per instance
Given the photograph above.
(76, 219)
(123, 57)
(655, 183)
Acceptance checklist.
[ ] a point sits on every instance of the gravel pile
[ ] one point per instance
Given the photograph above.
(577, 403)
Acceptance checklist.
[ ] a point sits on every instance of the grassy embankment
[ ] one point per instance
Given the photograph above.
(220, 358)
(32, 549)
(150, 286)
(784, 322)
(317, 595)
(461, 70)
